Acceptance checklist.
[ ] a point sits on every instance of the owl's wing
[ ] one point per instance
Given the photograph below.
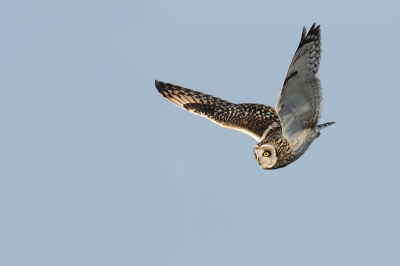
(252, 119)
(300, 100)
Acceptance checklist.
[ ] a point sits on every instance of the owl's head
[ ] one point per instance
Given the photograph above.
(266, 156)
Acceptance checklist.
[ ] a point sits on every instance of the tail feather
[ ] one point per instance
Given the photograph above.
(324, 125)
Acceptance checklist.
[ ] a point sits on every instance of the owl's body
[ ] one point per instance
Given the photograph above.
(283, 133)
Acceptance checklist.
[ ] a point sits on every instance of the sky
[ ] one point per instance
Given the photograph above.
(97, 168)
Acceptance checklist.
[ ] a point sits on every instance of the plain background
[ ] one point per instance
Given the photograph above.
(97, 168)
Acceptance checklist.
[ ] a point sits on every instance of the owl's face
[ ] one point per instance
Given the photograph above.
(266, 156)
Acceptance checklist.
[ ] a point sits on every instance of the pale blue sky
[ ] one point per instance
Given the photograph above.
(97, 168)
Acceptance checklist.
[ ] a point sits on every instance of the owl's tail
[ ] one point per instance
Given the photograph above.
(324, 125)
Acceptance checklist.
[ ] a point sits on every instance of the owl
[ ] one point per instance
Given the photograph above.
(283, 133)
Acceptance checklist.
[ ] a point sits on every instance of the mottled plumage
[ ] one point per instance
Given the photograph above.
(283, 133)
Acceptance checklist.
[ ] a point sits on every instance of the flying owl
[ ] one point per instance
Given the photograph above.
(283, 133)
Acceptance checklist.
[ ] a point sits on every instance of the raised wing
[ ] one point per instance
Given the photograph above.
(252, 119)
(300, 101)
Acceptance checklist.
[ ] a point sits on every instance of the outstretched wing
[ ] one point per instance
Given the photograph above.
(300, 101)
(252, 119)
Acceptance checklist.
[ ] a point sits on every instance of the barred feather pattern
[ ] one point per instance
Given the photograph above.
(252, 119)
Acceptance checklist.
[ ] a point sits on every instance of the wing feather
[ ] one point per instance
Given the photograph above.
(251, 119)
(299, 103)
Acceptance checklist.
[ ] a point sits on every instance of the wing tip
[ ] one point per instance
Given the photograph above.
(314, 30)
(159, 85)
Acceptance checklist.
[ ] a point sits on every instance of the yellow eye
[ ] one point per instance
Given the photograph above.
(266, 154)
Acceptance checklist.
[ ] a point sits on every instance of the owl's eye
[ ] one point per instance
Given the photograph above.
(266, 154)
